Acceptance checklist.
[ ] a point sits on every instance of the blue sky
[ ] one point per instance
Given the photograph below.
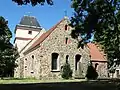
(46, 15)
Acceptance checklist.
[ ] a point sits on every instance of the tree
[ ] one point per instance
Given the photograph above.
(7, 51)
(66, 72)
(101, 19)
(93, 17)
(91, 72)
(33, 2)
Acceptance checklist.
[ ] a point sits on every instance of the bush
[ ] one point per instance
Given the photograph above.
(91, 73)
(66, 71)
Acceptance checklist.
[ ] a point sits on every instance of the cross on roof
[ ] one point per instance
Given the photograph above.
(65, 12)
(29, 13)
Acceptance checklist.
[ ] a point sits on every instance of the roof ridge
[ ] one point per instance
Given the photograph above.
(29, 16)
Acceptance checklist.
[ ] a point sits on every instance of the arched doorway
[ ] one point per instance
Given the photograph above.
(78, 66)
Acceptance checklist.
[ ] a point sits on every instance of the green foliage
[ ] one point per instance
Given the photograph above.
(66, 72)
(101, 19)
(7, 51)
(33, 2)
(91, 73)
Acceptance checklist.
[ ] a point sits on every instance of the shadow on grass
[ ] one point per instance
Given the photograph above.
(113, 84)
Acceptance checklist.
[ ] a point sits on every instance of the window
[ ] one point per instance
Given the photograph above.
(55, 61)
(117, 72)
(25, 66)
(67, 57)
(25, 59)
(96, 64)
(65, 27)
(66, 40)
(32, 63)
(29, 32)
(32, 56)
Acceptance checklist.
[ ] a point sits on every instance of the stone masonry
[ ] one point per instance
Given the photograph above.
(40, 66)
(36, 60)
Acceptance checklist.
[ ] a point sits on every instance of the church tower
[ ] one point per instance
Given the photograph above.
(25, 31)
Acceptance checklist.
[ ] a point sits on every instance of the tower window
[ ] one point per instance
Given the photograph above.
(65, 27)
(29, 32)
(66, 41)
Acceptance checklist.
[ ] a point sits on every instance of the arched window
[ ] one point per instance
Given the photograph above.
(32, 56)
(32, 63)
(66, 27)
(67, 58)
(55, 61)
(66, 40)
(96, 64)
(77, 59)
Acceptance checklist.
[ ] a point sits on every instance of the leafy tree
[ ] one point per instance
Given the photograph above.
(101, 19)
(91, 72)
(7, 51)
(33, 2)
(66, 72)
(93, 17)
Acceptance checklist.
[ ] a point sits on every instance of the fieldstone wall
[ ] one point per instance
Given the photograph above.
(101, 69)
(40, 66)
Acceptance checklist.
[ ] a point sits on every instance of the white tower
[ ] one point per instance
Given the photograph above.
(25, 31)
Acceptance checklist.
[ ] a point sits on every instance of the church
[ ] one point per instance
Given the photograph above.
(42, 53)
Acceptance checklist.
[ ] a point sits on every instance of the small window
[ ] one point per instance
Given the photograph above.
(29, 32)
(32, 62)
(65, 27)
(32, 56)
(67, 57)
(66, 41)
(25, 59)
(25, 66)
(32, 72)
(96, 64)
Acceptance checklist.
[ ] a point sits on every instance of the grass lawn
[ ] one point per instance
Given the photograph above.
(77, 84)
(19, 81)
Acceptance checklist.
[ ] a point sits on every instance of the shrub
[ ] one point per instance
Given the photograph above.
(91, 73)
(66, 71)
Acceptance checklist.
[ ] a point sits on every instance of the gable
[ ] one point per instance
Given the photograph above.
(44, 36)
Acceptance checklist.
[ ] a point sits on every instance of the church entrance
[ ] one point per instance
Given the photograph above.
(78, 66)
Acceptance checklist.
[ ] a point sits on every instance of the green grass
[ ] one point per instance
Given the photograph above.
(19, 81)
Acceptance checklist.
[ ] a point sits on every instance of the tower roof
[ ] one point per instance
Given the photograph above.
(29, 21)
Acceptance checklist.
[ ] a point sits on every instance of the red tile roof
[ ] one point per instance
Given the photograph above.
(44, 36)
(96, 54)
